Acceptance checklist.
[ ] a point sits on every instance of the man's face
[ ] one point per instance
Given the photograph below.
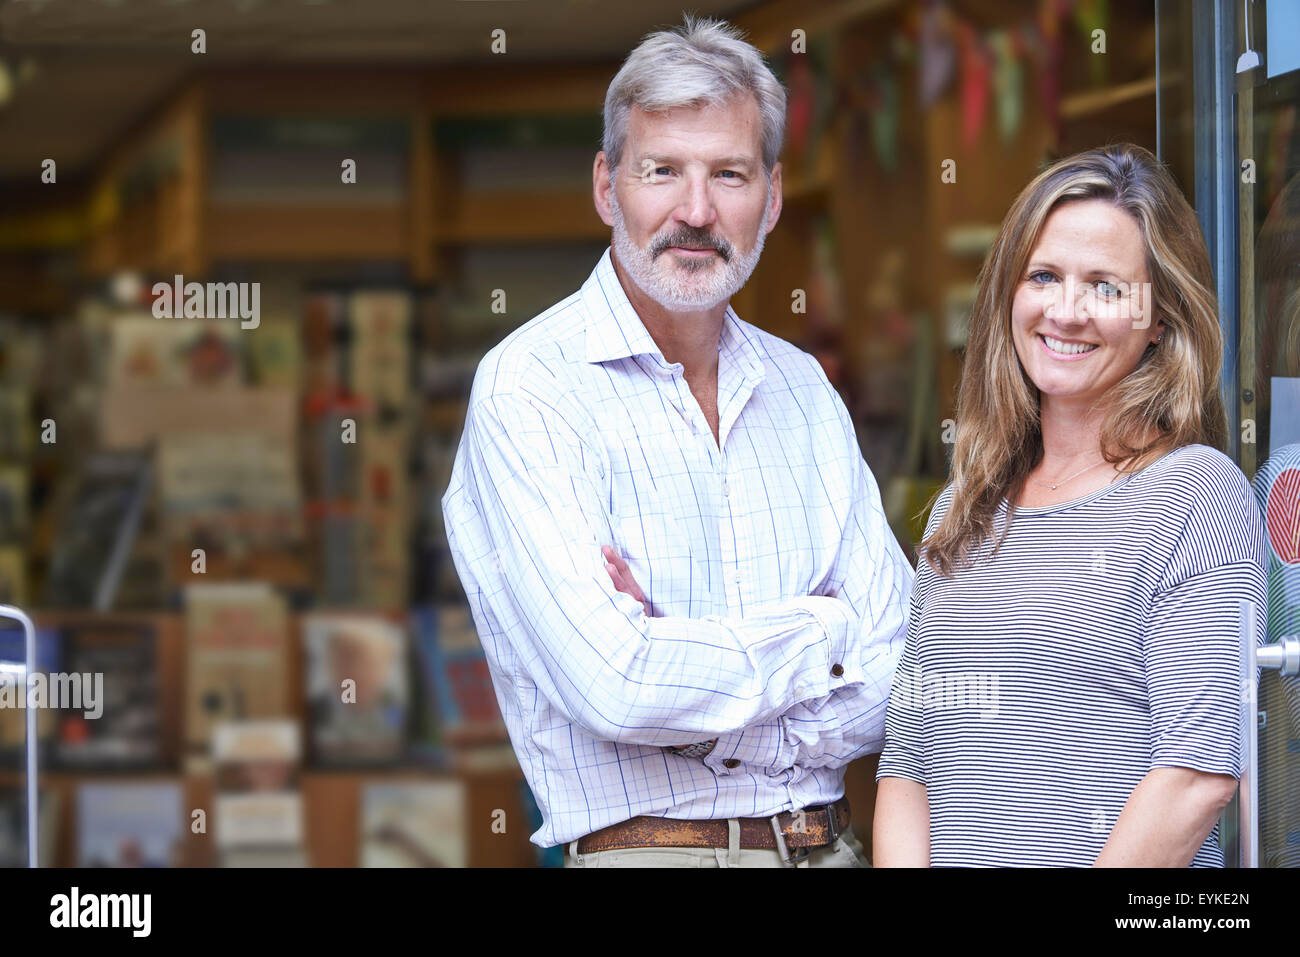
(690, 205)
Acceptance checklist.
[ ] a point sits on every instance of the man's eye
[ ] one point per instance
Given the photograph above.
(662, 171)
(729, 174)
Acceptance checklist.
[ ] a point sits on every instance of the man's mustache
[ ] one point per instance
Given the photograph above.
(692, 239)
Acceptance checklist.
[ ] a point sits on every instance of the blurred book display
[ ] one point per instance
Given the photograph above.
(357, 688)
(127, 730)
(454, 665)
(101, 514)
(237, 644)
(413, 824)
(231, 494)
(129, 825)
(258, 808)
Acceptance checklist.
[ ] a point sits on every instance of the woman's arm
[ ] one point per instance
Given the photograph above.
(1166, 819)
(901, 833)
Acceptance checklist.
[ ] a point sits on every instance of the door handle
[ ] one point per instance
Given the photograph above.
(1283, 656)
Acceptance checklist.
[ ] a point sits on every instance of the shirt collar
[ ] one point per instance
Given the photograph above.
(615, 331)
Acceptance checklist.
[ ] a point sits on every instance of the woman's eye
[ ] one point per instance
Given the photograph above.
(1108, 290)
(1042, 277)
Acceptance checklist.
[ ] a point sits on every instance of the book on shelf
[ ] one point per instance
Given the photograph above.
(230, 494)
(323, 323)
(237, 642)
(258, 805)
(413, 824)
(452, 663)
(357, 687)
(13, 502)
(148, 351)
(14, 695)
(13, 575)
(16, 425)
(123, 729)
(102, 509)
(13, 826)
(129, 825)
(132, 418)
(275, 353)
(144, 350)
(379, 349)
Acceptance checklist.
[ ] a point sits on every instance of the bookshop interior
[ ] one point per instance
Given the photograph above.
(232, 518)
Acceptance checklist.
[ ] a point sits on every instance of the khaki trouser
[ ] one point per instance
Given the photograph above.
(845, 852)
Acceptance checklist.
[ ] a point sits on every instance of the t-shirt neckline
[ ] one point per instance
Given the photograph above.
(1090, 496)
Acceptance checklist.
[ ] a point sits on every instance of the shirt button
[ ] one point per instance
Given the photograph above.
(736, 578)
(731, 763)
(726, 490)
(837, 669)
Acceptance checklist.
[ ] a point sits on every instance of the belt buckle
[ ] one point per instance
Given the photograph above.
(832, 827)
(782, 848)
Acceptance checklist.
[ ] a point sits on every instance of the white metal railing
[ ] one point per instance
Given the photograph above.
(28, 668)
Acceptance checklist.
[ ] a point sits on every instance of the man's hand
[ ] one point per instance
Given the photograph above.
(622, 576)
(624, 582)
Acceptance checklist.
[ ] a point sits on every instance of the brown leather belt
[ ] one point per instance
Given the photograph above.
(793, 834)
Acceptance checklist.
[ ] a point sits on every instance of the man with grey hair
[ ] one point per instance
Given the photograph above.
(639, 433)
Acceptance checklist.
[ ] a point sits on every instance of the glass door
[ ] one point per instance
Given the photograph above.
(1267, 138)
(1228, 102)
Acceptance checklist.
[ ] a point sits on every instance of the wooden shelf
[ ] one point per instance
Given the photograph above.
(1089, 102)
(331, 810)
(519, 217)
(286, 233)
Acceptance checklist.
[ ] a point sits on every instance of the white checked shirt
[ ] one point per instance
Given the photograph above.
(778, 593)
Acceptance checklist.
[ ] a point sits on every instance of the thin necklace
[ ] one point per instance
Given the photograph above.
(1070, 479)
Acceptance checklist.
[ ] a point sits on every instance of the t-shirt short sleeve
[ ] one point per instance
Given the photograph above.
(1191, 643)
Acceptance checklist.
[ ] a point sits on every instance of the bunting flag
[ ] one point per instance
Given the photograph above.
(1090, 15)
(1049, 63)
(938, 54)
(1008, 84)
(975, 77)
(799, 110)
(884, 116)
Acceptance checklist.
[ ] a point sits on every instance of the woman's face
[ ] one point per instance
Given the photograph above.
(1082, 313)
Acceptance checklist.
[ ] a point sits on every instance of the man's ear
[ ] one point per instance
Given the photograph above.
(601, 184)
(775, 200)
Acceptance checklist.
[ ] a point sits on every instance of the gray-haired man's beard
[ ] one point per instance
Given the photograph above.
(682, 285)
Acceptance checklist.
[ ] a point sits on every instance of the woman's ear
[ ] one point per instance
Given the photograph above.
(1158, 332)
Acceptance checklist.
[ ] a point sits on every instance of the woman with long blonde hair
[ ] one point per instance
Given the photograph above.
(1068, 694)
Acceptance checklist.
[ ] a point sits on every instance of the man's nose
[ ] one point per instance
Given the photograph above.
(697, 208)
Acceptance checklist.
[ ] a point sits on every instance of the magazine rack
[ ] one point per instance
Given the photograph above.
(25, 668)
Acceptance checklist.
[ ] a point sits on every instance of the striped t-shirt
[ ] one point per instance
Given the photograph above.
(1037, 688)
